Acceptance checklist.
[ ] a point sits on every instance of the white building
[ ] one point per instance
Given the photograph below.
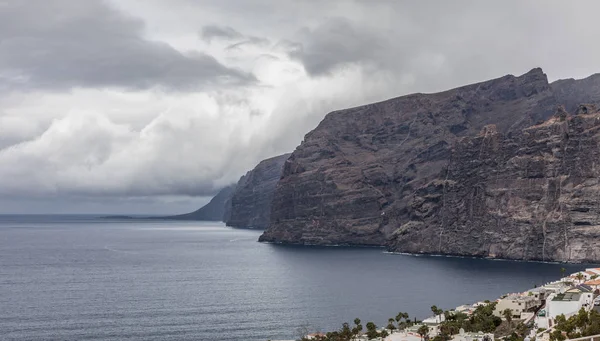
(557, 287)
(594, 284)
(570, 302)
(594, 270)
(586, 275)
(434, 320)
(540, 293)
(542, 321)
(480, 336)
(465, 309)
(433, 323)
(517, 304)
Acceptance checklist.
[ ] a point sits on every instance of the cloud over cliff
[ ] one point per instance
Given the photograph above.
(147, 102)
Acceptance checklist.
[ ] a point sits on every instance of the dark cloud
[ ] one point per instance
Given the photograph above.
(258, 41)
(70, 43)
(227, 33)
(210, 32)
(336, 42)
(108, 145)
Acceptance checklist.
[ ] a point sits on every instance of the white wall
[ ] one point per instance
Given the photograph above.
(555, 308)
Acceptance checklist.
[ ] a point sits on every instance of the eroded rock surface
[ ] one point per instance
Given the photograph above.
(251, 201)
(532, 194)
(573, 92)
(353, 178)
(246, 204)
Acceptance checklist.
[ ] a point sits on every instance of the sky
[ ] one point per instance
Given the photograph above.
(152, 106)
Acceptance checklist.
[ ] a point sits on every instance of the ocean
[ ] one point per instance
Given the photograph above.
(85, 278)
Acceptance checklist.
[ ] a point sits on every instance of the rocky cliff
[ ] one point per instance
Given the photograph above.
(251, 201)
(352, 179)
(427, 173)
(246, 204)
(218, 209)
(532, 194)
(571, 92)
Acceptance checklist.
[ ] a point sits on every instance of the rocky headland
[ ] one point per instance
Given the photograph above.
(251, 201)
(218, 208)
(246, 204)
(478, 170)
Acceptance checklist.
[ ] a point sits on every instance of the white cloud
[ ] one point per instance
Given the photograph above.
(91, 139)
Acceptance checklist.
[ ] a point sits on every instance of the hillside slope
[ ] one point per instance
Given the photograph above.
(218, 209)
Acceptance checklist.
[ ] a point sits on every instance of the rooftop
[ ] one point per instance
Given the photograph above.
(567, 297)
(581, 288)
(538, 289)
(515, 297)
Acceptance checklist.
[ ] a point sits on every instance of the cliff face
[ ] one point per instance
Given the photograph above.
(246, 204)
(352, 179)
(218, 209)
(251, 201)
(571, 92)
(533, 194)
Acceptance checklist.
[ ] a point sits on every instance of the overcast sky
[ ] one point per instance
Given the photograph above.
(151, 106)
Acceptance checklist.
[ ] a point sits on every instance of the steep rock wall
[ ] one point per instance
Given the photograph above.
(572, 92)
(533, 194)
(351, 180)
(251, 201)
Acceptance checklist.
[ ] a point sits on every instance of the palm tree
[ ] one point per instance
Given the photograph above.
(436, 311)
(371, 330)
(562, 272)
(507, 313)
(391, 325)
(579, 276)
(358, 327)
(399, 318)
(423, 331)
(357, 323)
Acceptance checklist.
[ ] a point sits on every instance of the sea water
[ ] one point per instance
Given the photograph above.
(85, 278)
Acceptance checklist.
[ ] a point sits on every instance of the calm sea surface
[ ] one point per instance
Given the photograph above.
(79, 278)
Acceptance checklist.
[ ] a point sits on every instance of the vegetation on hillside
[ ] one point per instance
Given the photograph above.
(583, 324)
(349, 333)
(482, 319)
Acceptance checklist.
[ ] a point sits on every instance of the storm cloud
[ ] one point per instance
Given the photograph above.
(62, 44)
(335, 43)
(210, 32)
(152, 105)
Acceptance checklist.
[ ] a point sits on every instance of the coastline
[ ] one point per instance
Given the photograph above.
(488, 258)
(350, 245)
(539, 315)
